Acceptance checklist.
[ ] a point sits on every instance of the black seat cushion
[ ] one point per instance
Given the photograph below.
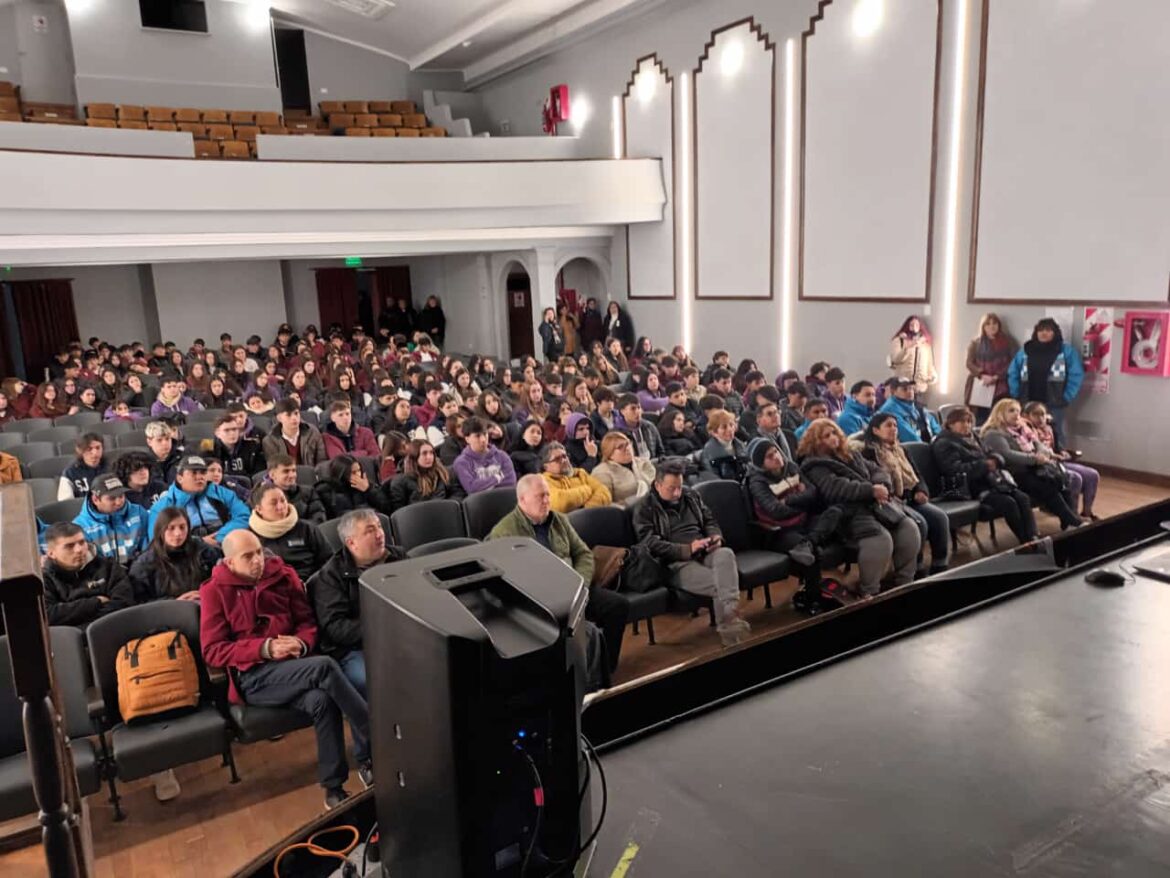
(16, 789)
(646, 604)
(757, 567)
(960, 513)
(255, 723)
(145, 748)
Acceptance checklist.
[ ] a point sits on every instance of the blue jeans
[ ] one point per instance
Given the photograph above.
(1057, 415)
(935, 528)
(353, 665)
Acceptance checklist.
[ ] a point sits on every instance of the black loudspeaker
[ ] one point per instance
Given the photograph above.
(475, 663)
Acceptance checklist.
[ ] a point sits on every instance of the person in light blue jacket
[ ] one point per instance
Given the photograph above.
(915, 424)
(1047, 370)
(213, 510)
(113, 525)
(854, 417)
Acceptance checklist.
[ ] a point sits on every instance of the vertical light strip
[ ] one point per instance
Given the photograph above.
(616, 112)
(685, 158)
(789, 197)
(950, 274)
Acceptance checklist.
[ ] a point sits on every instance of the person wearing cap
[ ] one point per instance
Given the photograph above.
(80, 584)
(302, 442)
(113, 525)
(915, 424)
(213, 510)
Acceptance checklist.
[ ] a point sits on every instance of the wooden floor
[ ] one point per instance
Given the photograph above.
(214, 827)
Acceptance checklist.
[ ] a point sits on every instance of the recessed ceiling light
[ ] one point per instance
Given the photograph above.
(466, 43)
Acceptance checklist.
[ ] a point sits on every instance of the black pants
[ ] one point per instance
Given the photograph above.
(314, 685)
(1051, 495)
(789, 538)
(1015, 508)
(609, 611)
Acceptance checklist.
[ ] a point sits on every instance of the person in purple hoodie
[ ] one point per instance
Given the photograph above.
(481, 466)
(651, 396)
(171, 401)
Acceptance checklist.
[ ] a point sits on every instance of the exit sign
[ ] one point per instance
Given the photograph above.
(353, 262)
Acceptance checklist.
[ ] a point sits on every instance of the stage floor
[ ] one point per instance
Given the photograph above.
(1031, 737)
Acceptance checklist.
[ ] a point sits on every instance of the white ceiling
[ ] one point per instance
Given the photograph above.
(430, 34)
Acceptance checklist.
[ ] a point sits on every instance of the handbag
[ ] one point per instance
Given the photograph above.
(955, 487)
(889, 515)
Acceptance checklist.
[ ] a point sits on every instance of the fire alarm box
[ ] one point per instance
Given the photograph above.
(558, 98)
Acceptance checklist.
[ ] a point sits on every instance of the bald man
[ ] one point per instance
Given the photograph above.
(256, 622)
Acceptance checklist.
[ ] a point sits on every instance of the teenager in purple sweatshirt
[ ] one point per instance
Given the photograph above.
(481, 466)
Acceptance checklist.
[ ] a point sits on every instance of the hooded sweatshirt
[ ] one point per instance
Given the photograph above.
(237, 617)
(120, 535)
(216, 511)
(912, 419)
(77, 478)
(482, 472)
(578, 456)
(779, 499)
(854, 417)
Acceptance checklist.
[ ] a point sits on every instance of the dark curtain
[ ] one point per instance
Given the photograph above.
(7, 367)
(337, 297)
(47, 321)
(393, 284)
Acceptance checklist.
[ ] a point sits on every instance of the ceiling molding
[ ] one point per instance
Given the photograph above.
(578, 25)
(292, 21)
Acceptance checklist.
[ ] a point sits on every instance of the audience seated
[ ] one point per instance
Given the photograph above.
(347, 487)
(302, 442)
(880, 445)
(214, 511)
(678, 529)
(626, 476)
(160, 439)
(334, 588)
(969, 471)
(1083, 480)
(1032, 463)
(834, 392)
(644, 435)
(814, 410)
(90, 463)
(481, 466)
(115, 527)
(535, 518)
(844, 478)
(678, 435)
(282, 472)
(240, 455)
(282, 532)
(792, 408)
(787, 506)
(343, 436)
(80, 584)
(858, 409)
(915, 424)
(724, 456)
(256, 621)
(570, 487)
(175, 562)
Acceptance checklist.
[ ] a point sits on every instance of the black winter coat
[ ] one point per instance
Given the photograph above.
(404, 490)
(302, 548)
(151, 585)
(307, 502)
(339, 499)
(955, 454)
(333, 591)
(652, 525)
(71, 598)
(792, 504)
(433, 322)
(850, 485)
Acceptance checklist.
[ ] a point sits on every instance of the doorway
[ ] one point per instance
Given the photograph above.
(292, 68)
(37, 320)
(518, 289)
(346, 296)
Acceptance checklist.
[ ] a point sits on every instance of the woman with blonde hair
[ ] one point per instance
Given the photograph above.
(846, 479)
(989, 355)
(627, 476)
(1032, 464)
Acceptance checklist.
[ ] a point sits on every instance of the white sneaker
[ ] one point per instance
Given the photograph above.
(166, 785)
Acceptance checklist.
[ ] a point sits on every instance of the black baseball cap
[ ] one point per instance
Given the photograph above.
(107, 486)
(192, 462)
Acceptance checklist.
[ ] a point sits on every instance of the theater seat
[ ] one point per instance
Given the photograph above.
(101, 123)
(242, 117)
(484, 510)
(236, 149)
(380, 106)
(221, 132)
(197, 129)
(328, 108)
(433, 132)
(206, 149)
(757, 566)
(341, 120)
(132, 124)
(274, 129)
(406, 132)
(421, 523)
(365, 120)
(247, 133)
(163, 126)
(356, 107)
(383, 132)
(357, 132)
(402, 107)
(10, 117)
(267, 119)
(101, 111)
(414, 120)
(186, 114)
(252, 724)
(960, 513)
(131, 112)
(72, 672)
(215, 117)
(160, 114)
(390, 120)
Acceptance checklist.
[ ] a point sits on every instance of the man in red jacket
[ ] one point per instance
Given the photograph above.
(257, 623)
(343, 436)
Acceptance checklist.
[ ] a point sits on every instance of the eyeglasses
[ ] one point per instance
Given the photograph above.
(557, 458)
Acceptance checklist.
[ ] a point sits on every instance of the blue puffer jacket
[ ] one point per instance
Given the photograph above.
(910, 416)
(854, 417)
(120, 535)
(216, 511)
(1065, 377)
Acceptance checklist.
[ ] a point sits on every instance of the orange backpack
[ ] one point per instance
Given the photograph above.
(156, 674)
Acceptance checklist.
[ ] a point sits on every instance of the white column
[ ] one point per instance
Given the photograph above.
(544, 288)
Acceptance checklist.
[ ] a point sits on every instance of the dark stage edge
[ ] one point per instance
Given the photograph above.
(643, 731)
(1029, 738)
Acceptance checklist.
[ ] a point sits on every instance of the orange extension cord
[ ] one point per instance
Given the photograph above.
(312, 847)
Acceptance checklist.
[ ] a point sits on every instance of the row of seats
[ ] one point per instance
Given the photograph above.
(134, 113)
(403, 108)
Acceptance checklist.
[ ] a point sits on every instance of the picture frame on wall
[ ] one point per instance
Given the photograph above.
(1144, 348)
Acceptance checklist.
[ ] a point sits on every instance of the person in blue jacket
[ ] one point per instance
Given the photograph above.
(213, 510)
(113, 525)
(915, 424)
(858, 409)
(1047, 370)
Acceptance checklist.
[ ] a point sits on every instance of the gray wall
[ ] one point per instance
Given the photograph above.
(339, 71)
(232, 66)
(1124, 428)
(45, 64)
(108, 299)
(9, 46)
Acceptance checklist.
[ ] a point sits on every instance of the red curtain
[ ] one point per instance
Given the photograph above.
(393, 284)
(337, 297)
(7, 367)
(47, 321)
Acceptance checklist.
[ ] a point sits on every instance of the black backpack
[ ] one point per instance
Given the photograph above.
(641, 571)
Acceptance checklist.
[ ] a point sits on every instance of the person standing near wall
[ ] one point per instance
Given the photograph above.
(552, 338)
(1047, 370)
(433, 321)
(912, 355)
(988, 357)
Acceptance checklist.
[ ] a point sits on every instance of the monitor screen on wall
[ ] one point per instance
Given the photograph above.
(188, 15)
